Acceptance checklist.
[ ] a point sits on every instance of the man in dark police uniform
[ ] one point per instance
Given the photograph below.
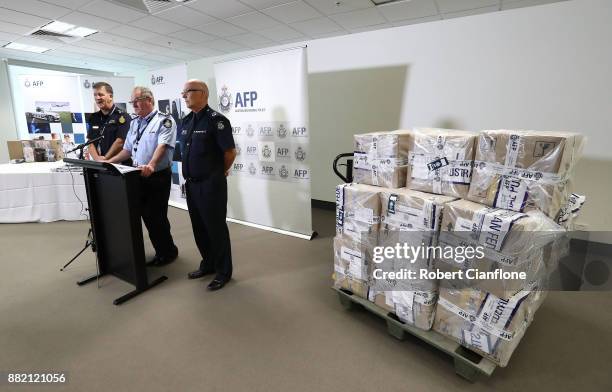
(110, 121)
(208, 154)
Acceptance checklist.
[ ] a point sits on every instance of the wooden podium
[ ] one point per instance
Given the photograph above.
(113, 197)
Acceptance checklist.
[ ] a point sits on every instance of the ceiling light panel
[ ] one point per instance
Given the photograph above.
(25, 47)
(58, 27)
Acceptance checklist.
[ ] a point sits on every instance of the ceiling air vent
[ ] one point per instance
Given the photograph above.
(151, 6)
(55, 37)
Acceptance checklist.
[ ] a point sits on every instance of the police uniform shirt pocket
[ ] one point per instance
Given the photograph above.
(198, 140)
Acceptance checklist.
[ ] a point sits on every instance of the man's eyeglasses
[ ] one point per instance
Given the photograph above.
(191, 90)
(137, 100)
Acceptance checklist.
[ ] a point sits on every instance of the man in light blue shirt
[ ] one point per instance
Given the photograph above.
(150, 143)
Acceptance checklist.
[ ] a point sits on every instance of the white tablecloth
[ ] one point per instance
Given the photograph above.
(31, 192)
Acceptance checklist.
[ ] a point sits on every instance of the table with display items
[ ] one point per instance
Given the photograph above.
(35, 192)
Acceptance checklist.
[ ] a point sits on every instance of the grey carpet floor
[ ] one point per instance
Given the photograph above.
(276, 327)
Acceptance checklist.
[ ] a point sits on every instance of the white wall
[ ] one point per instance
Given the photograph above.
(545, 68)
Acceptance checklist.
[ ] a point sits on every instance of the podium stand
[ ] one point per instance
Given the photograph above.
(114, 211)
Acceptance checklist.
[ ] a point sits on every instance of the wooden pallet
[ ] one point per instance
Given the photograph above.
(468, 364)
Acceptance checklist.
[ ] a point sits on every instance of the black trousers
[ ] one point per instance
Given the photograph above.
(155, 192)
(207, 203)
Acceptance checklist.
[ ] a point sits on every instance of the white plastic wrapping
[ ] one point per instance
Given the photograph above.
(525, 170)
(512, 242)
(358, 213)
(380, 158)
(412, 218)
(484, 323)
(357, 225)
(352, 262)
(440, 161)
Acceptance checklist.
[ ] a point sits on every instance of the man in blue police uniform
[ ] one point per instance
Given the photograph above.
(150, 143)
(110, 122)
(208, 154)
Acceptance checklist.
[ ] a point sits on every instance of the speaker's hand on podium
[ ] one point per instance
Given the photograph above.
(146, 170)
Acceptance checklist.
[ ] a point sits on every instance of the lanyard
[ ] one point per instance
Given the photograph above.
(104, 127)
(108, 119)
(139, 133)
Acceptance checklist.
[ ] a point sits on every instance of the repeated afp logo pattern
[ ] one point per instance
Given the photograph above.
(271, 150)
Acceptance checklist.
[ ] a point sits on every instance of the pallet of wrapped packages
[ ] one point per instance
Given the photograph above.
(409, 218)
(509, 241)
(480, 321)
(440, 161)
(525, 170)
(380, 158)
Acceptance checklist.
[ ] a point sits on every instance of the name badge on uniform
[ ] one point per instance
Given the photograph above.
(111, 121)
(95, 127)
(202, 131)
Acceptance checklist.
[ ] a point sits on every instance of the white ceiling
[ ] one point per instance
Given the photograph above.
(129, 40)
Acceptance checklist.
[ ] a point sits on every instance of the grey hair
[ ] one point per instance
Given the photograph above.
(145, 92)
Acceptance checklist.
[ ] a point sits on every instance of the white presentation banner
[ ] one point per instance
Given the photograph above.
(265, 98)
(166, 85)
(56, 104)
(48, 105)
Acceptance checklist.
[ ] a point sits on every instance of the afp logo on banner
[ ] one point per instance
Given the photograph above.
(299, 132)
(283, 172)
(225, 100)
(300, 154)
(267, 151)
(301, 173)
(266, 131)
(157, 80)
(283, 152)
(250, 131)
(239, 167)
(243, 101)
(267, 170)
(34, 83)
(251, 150)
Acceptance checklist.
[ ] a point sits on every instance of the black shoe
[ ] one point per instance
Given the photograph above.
(160, 261)
(197, 274)
(217, 284)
